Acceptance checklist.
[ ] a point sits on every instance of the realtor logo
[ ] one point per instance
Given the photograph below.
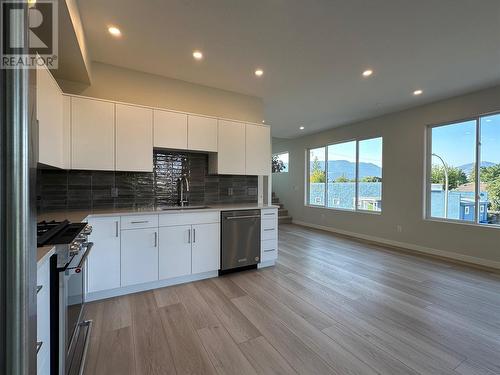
(38, 45)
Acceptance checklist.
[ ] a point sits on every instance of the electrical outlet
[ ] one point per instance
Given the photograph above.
(399, 228)
(230, 191)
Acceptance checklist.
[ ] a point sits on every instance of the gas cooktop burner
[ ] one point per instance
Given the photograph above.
(58, 232)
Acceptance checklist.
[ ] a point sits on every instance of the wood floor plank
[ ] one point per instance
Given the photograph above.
(223, 352)
(188, 353)
(228, 287)
(265, 359)
(199, 312)
(238, 326)
(116, 353)
(332, 352)
(166, 296)
(296, 353)
(151, 349)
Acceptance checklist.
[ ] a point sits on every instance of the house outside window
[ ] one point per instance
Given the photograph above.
(346, 175)
(463, 171)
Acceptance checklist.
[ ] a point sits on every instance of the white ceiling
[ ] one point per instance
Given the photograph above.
(312, 51)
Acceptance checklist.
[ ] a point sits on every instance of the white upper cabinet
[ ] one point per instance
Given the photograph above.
(202, 133)
(49, 100)
(258, 150)
(170, 130)
(92, 134)
(134, 138)
(66, 125)
(230, 157)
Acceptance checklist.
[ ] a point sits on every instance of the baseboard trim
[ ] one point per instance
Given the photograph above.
(481, 263)
(94, 296)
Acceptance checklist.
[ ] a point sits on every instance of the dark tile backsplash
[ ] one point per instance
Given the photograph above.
(59, 190)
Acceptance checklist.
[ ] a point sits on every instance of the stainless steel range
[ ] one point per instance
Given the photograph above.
(69, 333)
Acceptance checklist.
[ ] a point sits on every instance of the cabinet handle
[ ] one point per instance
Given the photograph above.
(139, 222)
(189, 235)
(156, 239)
(266, 251)
(267, 230)
(194, 235)
(271, 213)
(116, 229)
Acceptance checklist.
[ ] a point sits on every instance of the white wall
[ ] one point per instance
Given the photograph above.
(403, 186)
(114, 83)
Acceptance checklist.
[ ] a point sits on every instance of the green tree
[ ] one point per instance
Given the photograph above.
(317, 175)
(371, 179)
(456, 176)
(342, 179)
(493, 190)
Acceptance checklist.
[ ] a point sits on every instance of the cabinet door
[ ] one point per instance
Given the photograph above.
(66, 125)
(170, 130)
(92, 134)
(202, 133)
(134, 138)
(175, 251)
(231, 148)
(139, 256)
(206, 248)
(50, 119)
(103, 262)
(258, 150)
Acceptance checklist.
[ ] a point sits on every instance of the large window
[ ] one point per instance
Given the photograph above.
(346, 175)
(457, 154)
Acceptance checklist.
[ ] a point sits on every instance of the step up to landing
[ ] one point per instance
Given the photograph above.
(283, 216)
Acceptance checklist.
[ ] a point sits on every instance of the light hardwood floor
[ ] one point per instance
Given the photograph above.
(331, 305)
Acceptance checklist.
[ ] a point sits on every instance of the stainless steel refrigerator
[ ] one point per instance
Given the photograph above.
(18, 159)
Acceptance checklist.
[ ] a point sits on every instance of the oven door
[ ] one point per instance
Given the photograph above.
(75, 298)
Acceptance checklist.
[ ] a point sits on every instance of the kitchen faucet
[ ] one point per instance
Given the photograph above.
(183, 184)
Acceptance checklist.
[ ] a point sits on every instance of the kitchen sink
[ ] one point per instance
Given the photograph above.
(175, 208)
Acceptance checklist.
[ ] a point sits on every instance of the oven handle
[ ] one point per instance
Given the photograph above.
(89, 247)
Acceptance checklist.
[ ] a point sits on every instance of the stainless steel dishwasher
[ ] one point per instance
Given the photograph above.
(240, 239)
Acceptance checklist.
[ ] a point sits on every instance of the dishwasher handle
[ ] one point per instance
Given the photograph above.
(243, 217)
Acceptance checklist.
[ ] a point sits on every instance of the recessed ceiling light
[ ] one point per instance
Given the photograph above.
(197, 55)
(418, 92)
(115, 31)
(301, 127)
(259, 72)
(263, 121)
(367, 73)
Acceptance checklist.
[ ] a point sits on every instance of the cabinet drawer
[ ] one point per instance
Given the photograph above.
(269, 250)
(269, 229)
(187, 218)
(271, 213)
(139, 221)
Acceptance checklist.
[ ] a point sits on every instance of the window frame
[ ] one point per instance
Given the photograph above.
(280, 153)
(477, 170)
(356, 209)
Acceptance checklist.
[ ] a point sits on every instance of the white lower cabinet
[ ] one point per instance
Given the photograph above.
(206, 248)
(269, 236)
(189, 249)
(103, 263)
(175, 251)
(139, 256)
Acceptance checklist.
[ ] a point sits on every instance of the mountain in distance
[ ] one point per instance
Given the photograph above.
(339, 168)
(467, 168)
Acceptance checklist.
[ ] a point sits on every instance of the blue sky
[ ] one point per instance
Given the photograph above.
(456, 143)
